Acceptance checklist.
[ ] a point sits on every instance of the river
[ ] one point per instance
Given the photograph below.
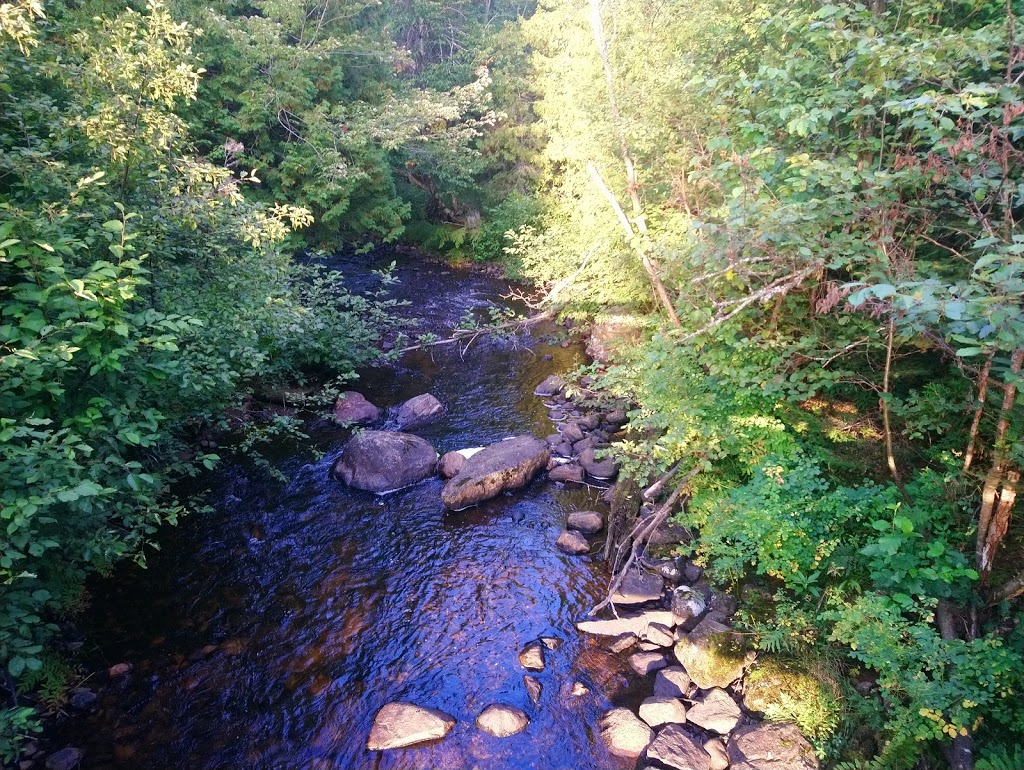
(268, 632)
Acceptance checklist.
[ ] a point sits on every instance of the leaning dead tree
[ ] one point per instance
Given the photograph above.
(633, 229)
(628, 539)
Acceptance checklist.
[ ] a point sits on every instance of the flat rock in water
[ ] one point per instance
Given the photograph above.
(65, 759)
(716, 711)
(551, 386)
(635, 624)
(567, 472)
(645, 663)
(624, 733)
(638, 588)
(599, 469)
(353, 408)
(398, 725)
(675, 748)
(419, 411)
(531, 657)
(382, 461)
(501, 720)
(672, 682)
(506, 465)
(622, 642)
(771, 746)
(572, 543)
(587, 522)
(658, 711)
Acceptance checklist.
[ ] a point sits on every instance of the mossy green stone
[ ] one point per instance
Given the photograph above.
(713, 659)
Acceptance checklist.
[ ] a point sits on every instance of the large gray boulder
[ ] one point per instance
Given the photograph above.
(771, 746)
(506, 465)
(419, 411)
(638, 588)
(382, 461)
(675, 748)
(398, 725)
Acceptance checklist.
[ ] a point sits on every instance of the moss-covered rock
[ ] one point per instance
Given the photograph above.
(713, 655)
(789, 691)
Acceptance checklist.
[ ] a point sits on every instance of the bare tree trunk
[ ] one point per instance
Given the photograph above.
(979, 410)
(629, 165)
(996, 506)
(890, 457)
(660, 293)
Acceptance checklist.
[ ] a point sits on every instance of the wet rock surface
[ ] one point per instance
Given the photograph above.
(398, 725)
(499, 467)
(383, 461)
(419, 411)
(502, 721)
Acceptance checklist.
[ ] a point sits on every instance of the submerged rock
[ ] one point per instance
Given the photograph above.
(501, 720)
(419, 411)
(506, 465)
(533, 688)
(398, 725)
(771, 746)
(624, 733)
(353, 408)
(572, 543)
(587, 522)
(382, 461)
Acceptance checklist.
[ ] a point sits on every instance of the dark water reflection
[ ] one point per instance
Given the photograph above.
(268, 633)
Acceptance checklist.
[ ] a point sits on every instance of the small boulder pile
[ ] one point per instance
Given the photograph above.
(581, 432)
(695, 717)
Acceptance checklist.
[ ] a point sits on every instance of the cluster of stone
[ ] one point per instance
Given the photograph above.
(696, 717)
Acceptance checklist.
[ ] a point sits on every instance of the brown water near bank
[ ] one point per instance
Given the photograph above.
(268, 633)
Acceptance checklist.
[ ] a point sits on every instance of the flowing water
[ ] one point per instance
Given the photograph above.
(267, 633)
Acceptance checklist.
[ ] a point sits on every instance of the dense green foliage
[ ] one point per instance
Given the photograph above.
(817, 205)
(142, 298)
(829, 196)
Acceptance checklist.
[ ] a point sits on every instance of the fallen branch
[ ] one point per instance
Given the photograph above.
(460, 334)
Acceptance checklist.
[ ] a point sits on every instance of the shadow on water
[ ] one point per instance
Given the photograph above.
(268, 633)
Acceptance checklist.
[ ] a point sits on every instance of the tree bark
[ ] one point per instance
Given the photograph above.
(979, 410)
(999, 492)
